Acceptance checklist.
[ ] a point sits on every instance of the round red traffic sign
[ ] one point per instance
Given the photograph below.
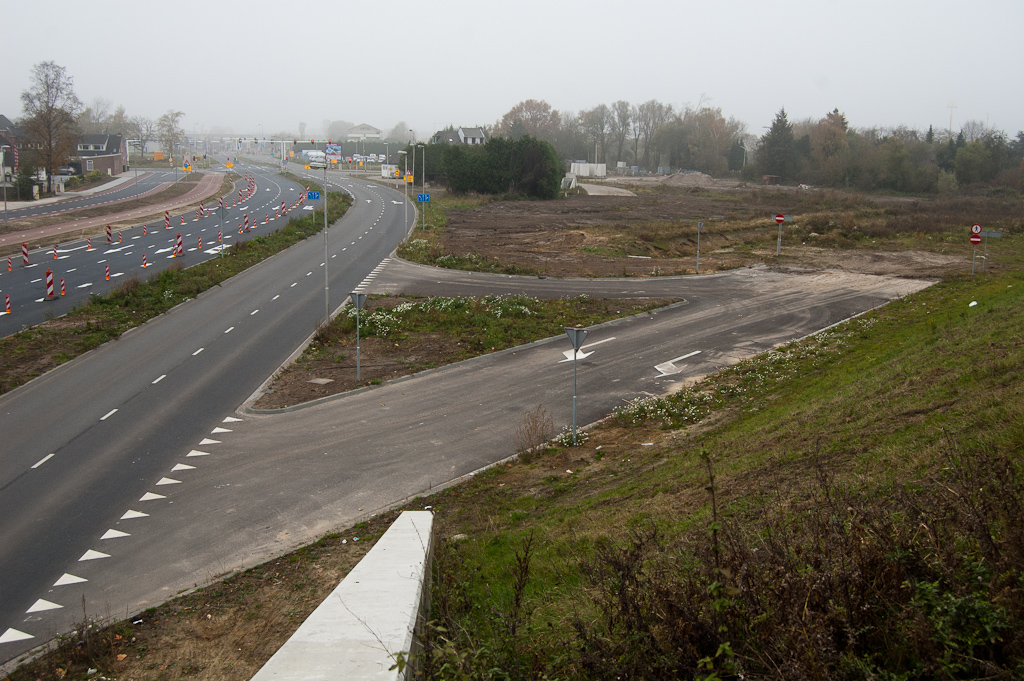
(780, 218)
(975, 239)
(975, 229)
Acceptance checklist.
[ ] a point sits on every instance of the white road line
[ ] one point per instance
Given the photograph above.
(43, 460)
(159, 378)
(254, 312)
(276, 297)
(229, 329)
(197, 351)
(109, 414)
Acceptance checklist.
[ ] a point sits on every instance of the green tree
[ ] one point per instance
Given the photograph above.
(51, 106)
(973, 163)
(830, 148)
(777, 153)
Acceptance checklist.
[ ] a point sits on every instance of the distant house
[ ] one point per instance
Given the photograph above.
(460, 136)
(364, 132)
(105, 153)
(10, 135)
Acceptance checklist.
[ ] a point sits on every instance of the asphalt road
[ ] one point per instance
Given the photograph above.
(84, 271)
(223, 489)
(90, 439)
(149, 180)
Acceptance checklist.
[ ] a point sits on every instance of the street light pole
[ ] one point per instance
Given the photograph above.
(405, 191)
(327, 285)
(423, 222)
(3, 168)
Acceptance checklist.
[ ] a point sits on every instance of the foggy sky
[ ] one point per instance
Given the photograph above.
(257, 66)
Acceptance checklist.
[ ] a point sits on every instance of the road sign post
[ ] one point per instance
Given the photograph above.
(779, 218)
(700, 226)
(576, 337)
(358, 299)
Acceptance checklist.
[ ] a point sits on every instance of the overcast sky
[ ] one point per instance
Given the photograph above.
(264, 66)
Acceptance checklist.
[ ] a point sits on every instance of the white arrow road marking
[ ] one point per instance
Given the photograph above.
(129, 514)
(114, 534)
(218, 429)
(168, 481)
(93, 555)
(182, 467)
(396, 202)
(151, 496)
(231, 419)
(85, 285)
(208, 441)
(42, 605)
(12, 635)
(669, 368)
(66, 579)
(196, 452)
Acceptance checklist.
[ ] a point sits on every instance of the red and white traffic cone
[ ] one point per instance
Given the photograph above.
(144, 232)
(62, 286)
(119, 237)
(220, 237)
(197, 214)
(88, 244)
(182, 219)
(24, 254)
(178, 250)
(144, 263)
(7, 303)
(49, 284)
(107, 268)
(55, 251)
(245, 221)
(266, 218)
(239, 227)
(9, 265)
(167, 220)
(110, 239)
(200, 243)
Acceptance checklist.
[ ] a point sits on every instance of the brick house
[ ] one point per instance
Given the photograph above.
(105, 153)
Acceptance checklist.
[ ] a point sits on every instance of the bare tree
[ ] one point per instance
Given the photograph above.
(144, 129)
(169, 131)
(974, 130)
(530, 117)
(50, 107)
(652, 114)
(621, 119)
(597, 121)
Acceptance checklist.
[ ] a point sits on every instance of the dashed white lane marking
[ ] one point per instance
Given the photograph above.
(114, 534)
(276, 297)
(130, 514)
(159, 378)
(151, 496)
(93, 555)
(41, 605)
(308, 273)
(108, 414)
(197, 351)
(254, 312)
(12, 635)
(293, 285)
(208, 441)
(66, 579)
(182, 467)
(42, 460)
(229, 329)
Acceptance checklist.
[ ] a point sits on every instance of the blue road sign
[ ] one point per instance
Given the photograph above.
(423, 198)
(313, 196)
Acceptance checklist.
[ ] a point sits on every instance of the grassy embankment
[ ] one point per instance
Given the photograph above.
(847, 506)
(34, 351)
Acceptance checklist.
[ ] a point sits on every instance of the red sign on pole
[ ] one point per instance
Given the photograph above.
(975, 239)
(780, 218)
(975, 229)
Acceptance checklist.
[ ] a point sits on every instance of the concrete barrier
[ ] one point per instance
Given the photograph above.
(370, 617)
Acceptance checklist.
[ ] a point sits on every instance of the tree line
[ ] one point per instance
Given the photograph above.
(826, 151)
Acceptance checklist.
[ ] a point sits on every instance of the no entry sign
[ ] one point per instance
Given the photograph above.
(780, 218)
(975, 239)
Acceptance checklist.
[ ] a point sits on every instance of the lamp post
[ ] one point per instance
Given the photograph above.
(357, 299)
(405, 190)
(423, 222)
(3, 168)
(576, 336)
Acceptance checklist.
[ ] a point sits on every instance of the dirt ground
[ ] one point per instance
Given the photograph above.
(597, 236)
